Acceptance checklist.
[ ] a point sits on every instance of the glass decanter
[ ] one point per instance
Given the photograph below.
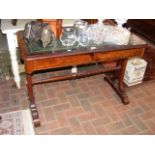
(81, 28)
(98, 32)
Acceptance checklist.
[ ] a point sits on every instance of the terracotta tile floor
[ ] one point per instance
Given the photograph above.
(85, 106)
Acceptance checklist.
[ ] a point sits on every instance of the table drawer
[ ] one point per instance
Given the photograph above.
(117, 55)
(56, 62)
(71, 60)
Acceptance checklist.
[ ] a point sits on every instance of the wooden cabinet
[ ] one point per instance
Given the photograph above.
(91, 21)
(106, 21)
(146, 29)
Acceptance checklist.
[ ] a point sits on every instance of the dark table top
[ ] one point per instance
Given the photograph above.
(58, 48)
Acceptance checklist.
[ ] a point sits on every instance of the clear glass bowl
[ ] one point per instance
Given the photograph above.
(68, 36)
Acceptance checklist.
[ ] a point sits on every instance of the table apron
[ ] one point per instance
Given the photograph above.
(50, 62)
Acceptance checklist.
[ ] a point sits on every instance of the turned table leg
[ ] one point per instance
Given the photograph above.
(122, 90)
(118, 85)
(32, 104)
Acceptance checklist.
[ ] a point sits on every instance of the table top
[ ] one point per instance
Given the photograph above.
(57, 48)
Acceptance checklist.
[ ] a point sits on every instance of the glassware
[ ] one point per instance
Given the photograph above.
(116, 35)
(47, 37)
(68, 36)
(98, 32)
(120, 22)
(81, 28)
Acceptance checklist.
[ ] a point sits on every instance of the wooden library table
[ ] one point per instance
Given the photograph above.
(59, 58)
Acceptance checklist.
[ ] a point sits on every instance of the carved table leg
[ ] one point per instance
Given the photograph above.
(118, 85)
(32, 104)
(0, 119)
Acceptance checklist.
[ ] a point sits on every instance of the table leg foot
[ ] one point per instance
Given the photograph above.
(32, 105)
(36, 123)
(115, 86)
(35, 115)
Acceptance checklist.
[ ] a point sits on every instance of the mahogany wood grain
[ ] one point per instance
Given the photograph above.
(77, 75)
